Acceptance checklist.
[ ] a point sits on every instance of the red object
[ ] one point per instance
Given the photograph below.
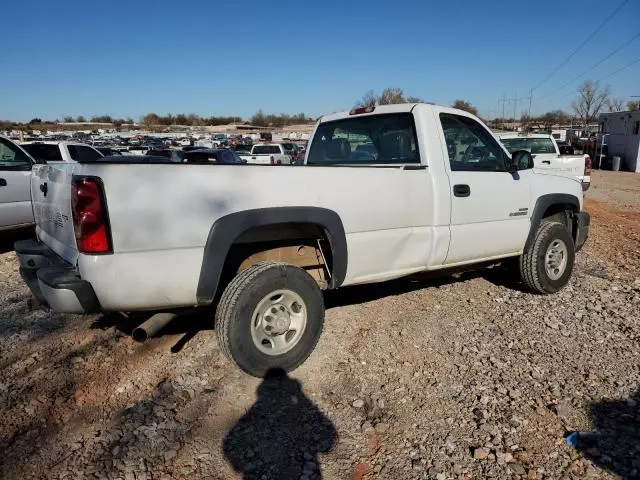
(587, 165)
(359, 110)
(89, 216)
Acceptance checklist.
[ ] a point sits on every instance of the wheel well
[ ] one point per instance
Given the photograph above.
(305, 245)
(560, 213)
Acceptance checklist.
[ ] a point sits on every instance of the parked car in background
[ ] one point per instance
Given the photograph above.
(108, 151)
(564, 148)
(59, 152)
(261, 243)
(547, 156)
(15, 186)
(217, 155)
(268, 154)
(168, 153)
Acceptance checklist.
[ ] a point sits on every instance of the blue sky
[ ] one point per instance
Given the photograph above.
(235, 57)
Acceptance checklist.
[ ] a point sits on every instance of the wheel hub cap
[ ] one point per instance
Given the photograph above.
(556, 259)
(278, 322)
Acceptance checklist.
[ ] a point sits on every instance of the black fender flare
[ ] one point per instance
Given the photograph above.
(542, 204)
(228, 228)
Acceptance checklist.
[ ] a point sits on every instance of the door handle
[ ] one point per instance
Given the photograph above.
(461, 190)
(548, 162)
(3, 182)
(44, 188)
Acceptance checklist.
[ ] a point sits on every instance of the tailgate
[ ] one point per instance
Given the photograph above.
(565, 165)
(51, 197)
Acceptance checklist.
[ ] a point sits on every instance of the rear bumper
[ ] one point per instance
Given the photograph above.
(53, 281)
(582, 220)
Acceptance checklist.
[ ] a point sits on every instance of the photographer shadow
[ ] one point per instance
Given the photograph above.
(281, 435)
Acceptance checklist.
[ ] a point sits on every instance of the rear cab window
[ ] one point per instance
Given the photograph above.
(44, 152)
(532, 145)
(366, 140)
(266, 150)
(83, 153)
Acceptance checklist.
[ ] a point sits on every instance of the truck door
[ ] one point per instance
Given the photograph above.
(489, 206)
(15, 193)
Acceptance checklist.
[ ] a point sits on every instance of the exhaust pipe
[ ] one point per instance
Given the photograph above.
(152, 326)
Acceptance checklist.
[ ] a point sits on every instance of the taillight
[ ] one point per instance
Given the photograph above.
(587, 165)
(89, 216)
(273, 160)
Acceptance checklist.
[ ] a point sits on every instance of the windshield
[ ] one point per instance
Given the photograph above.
(532, 145)
(265, 149)
(374, 139)
(44, 151)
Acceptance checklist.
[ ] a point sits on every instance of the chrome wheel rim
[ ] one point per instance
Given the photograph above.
(278, 322)
(556, 259)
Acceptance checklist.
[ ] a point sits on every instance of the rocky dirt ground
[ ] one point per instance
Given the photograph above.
(463, 377)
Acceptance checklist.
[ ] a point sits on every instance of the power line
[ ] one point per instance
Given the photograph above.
(624, 67)
(604, 59)
(563, 63)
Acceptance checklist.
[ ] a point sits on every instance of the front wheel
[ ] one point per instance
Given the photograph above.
(270, 316)
(547, 265)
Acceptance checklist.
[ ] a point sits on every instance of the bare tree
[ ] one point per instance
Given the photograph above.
(391, 96)
(615, 104)
(414, 100)
(369, 99)
(633, 105)
(466, 106)
(591, 100)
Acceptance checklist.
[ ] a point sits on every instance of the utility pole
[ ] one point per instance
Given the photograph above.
(530, 98)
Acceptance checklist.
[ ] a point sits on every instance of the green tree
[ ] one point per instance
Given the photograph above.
(633, 105)
(391, 96)
(80, 119)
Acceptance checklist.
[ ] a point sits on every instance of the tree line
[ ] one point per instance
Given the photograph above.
(592, 100)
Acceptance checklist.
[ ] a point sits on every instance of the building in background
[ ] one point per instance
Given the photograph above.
(622, 133)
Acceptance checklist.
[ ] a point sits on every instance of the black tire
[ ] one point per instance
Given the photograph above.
(235, 310)
(532, 262)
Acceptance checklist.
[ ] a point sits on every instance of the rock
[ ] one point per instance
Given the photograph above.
(517, 468)
(358, 403)
(441, 476)
(532, 474)
(481, 453)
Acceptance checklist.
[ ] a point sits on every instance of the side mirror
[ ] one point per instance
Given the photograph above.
(521, 160)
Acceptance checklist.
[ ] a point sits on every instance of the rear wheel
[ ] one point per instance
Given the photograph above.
(270, 316)
(547, 265)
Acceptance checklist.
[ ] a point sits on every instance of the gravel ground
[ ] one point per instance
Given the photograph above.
(463, 377)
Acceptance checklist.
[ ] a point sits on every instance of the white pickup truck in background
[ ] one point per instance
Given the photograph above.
(59, 152)
(15, 186)
(268, 154)
(435, 190)
(547, 156)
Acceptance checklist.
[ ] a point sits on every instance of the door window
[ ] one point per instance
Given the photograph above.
(12, 158)
(470, 146)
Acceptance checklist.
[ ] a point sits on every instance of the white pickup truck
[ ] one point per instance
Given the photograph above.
(58, 152)
(260, 243)
(268, 154)
(15, 186)
(547, 156)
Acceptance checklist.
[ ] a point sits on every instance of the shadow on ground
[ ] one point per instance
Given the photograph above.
(499, 275)
(8, 238)
(618, 422)
(187, 324)
(281, 434)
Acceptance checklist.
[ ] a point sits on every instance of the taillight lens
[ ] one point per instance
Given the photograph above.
(587, 165)
(89, 216)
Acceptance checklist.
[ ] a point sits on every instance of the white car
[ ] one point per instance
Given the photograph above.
(61, 152)
(386, 192)
(15, 186)
(547, 156)
(268, 154)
